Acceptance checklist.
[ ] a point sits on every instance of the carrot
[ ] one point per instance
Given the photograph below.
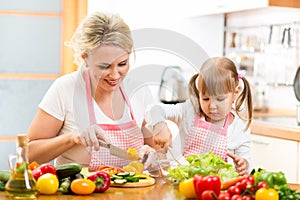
(227, 183)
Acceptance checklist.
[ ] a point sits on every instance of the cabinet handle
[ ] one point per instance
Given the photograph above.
(260, 142)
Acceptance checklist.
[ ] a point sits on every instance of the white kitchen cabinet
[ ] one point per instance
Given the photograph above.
(274, 154)
(228, 6)
(298, 162)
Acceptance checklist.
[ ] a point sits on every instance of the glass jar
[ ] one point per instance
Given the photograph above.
(21, 184)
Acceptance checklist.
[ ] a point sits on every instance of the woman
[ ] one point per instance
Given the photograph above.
(89, 105)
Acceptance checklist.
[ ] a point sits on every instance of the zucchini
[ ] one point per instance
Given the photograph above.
(67, 170)
(120, 181)
(4, 175)
(132, 179)
(123, 174)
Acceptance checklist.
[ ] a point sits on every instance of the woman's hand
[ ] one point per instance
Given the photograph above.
(241, 164)
(91, 136)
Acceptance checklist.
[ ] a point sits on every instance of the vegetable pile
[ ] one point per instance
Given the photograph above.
(204, 164)
(259, 185)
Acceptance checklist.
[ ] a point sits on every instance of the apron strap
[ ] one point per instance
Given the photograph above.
(90, 100)
(89, 97)
(127, 102)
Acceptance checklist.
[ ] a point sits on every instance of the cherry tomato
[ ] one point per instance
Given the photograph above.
(232, 190)
(186, 188)
(250, 178)
(82, 186)
(208, 195)
(241, 185)
(236, 197)
(224, 196)
(247, 197)
(266, 193)
(33, 165)
(262, 184)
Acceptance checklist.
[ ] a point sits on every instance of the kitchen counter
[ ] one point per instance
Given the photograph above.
(159, 190)
(276, 123)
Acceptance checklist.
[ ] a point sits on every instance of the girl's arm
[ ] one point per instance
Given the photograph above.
(44, 142)
(155, 129)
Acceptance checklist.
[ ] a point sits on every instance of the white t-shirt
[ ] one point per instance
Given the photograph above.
(66, 100)
(183, 115)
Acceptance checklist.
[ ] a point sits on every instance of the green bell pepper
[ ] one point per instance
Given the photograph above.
(272, 178)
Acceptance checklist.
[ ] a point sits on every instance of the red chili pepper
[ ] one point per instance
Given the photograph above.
(43, 169)
(101, 179)
(202, 183)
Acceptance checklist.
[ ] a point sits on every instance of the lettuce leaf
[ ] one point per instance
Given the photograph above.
(209, 162)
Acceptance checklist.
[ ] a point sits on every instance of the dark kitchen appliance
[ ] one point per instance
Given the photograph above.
(173, 86)
(297, 84)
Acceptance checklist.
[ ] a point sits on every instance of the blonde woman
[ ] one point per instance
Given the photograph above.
(90, 105)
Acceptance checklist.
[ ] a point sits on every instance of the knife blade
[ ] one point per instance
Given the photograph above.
(116, 151)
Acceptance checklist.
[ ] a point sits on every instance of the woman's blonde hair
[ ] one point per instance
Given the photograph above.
(99, 29)
(217, 76)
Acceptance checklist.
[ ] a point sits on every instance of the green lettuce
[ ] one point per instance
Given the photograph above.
(205, 164)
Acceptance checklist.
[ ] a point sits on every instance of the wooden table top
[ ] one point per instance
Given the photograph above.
(159, 190)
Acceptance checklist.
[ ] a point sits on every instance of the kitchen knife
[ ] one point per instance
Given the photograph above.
(116, 151)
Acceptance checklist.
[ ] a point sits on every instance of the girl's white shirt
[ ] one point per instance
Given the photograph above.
(183, 114)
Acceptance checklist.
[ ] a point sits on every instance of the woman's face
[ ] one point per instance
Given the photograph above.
(108, 66)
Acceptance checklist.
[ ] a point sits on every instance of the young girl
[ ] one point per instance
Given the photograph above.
(215, 118)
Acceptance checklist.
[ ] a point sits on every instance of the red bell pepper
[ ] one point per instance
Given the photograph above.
(202, 183)
(43, 169)
(101, 179)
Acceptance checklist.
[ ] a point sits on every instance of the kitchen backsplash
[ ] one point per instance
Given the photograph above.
(265, 45)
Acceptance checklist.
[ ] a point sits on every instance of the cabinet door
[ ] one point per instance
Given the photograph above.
(275, 154)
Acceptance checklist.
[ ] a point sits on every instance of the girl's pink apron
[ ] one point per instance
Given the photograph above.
(205, 137)
(125, 135)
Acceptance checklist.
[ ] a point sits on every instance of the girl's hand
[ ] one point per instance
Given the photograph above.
(149, 157)
(162, 137)
(241, 164)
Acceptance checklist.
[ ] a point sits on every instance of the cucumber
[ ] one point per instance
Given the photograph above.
(4, 175)
(123, 174)
(120, 181)
(67, 170)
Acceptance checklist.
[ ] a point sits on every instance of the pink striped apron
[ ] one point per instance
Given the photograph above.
(125, 135)
(205, 137)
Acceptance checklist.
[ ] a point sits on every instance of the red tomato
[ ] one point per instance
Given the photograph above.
(243, 184)
(47, 168)
(250, 178)
(236, 197)
(262, 184)
(208, 195)
(247, 197)
(224, 196)
(233, 190)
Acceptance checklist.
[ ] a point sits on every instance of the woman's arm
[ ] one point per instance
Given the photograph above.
(44, 142)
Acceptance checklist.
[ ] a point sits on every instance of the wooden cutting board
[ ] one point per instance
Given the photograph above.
(142, 183)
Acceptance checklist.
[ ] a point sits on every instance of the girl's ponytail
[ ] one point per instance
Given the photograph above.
(194, 93)
(245, 99)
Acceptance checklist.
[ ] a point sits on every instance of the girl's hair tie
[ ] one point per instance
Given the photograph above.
(240, 76)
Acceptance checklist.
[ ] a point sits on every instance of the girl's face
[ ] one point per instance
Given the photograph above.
(216, 108)
(108, 66)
